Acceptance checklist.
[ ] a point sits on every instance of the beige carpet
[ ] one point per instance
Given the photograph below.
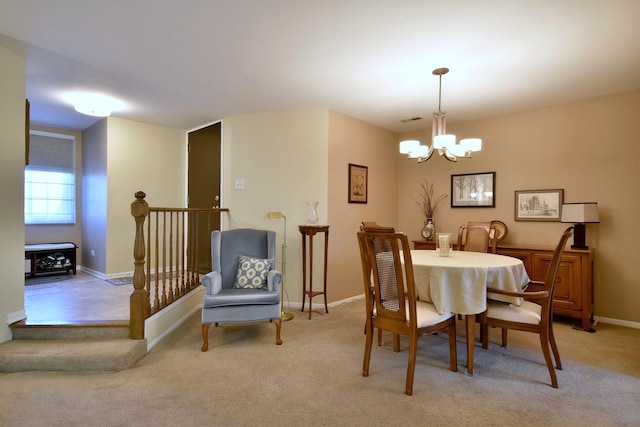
(315, 378)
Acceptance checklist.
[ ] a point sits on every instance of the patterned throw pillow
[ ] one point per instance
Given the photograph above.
(252, 273)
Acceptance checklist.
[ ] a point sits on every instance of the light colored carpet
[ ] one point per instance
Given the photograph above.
(315, 378)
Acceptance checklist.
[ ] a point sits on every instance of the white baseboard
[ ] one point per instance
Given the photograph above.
(320, 306)
(618, 322)
(92, 272)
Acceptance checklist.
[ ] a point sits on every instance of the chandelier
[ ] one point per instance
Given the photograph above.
(444, 143)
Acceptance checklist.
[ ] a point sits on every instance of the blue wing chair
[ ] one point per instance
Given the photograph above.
(243, 286)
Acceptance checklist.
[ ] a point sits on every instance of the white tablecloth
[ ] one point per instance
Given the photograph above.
(458, 283)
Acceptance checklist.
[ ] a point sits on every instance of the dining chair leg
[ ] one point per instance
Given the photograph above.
(544, 342)
(396, 342)
(453, 348)
(504, 337)
(470, 324)
(368, 343)
(411, 365)
(484, 335)
(554, 348)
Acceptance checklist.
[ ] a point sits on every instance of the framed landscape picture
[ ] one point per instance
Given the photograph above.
(538, 205)
(358, 183)
(473, 190)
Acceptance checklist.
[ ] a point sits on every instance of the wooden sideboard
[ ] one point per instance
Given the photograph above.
(574, 289)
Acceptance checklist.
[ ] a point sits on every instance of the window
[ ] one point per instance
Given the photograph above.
(50, 179)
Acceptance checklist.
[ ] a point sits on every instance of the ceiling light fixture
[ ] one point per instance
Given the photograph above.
(445, 143)
(93, 103)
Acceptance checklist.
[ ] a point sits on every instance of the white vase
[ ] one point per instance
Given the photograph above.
(312, 213)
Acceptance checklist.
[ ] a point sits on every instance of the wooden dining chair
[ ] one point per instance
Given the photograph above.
(529, 316)
(477, 236)
(393, 304)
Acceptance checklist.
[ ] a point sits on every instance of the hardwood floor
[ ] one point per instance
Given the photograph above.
(76, 299)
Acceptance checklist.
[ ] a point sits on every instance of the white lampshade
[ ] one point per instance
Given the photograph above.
(457, 150)
(419, 151)
(471, 144)
(443, 141)
(583, 212)
(406, 147)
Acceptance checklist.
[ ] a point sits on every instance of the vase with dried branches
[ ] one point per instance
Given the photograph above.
(428, 204)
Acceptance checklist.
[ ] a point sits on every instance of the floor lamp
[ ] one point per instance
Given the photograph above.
(277, 215)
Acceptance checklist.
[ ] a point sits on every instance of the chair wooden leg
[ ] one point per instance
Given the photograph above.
(396, 342)
(453, 351)
(379, 337)
(368, 343)
(205, 336)
(504, 337)
(554, 348)
(544, 342)
(484, 335)
(278, 323)
(411, 365)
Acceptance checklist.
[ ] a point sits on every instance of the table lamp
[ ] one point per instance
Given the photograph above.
(579, 214)
(284, 316)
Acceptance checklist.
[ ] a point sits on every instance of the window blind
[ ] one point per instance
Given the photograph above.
(50, 179)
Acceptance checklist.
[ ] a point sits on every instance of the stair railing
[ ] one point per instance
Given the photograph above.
(176, 254)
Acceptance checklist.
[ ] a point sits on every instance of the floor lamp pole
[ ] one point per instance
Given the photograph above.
(273, 215)
(284, 315)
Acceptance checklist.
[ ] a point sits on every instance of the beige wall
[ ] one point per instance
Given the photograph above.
(62, 232)
(282, 157)
(357, 142)
(589, 148)
(290, 157)
(143, 157)
(12, 141)
(121, 158)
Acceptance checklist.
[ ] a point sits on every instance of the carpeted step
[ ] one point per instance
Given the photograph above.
(70, 355)
(86, 330)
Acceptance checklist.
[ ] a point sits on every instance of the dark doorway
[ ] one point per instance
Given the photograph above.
(203, 188)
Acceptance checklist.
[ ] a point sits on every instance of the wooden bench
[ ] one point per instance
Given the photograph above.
(49, 258)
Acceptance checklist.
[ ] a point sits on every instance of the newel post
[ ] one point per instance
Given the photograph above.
(139, 306)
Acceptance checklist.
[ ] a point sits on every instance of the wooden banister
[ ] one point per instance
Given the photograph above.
(139, 300)
(167, 267)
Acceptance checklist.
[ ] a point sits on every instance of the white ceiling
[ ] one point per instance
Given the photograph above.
(187, 63)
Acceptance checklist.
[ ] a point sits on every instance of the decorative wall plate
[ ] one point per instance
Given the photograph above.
(501, 229)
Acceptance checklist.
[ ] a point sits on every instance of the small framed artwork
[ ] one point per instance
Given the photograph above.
(473, 190)
(538, 205)
(358, 183)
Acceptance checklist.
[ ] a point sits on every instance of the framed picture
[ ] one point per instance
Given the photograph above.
(473, 190)
(538, 205)
(358, 183)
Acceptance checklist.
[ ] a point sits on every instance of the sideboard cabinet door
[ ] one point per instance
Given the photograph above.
(567, 294)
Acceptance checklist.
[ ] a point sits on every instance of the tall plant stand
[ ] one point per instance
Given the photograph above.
(311, 230)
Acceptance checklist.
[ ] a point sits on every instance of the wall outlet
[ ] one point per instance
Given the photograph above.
(93, 253)
(240, 184)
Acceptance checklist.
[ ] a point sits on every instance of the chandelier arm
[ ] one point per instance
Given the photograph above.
(427, 157)
(449, 156)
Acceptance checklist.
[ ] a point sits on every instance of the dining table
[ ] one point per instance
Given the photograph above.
(457, 283)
